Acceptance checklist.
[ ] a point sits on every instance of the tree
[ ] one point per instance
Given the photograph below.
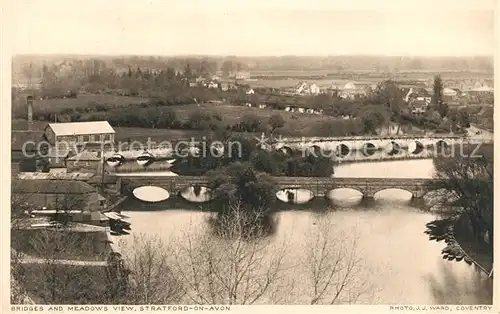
(240, 184)
(466, 187)
(332, 267)
(188, 73)
(437, 97)
(151, 279)
(48, 263)
(228, 268)
(276, 121)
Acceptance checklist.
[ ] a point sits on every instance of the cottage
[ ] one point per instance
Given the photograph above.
(213, 84)
(449, 92)
(250, 92)
(56, 194)
(84, 162)
(262, 106)
(418, 107)
(193, 84)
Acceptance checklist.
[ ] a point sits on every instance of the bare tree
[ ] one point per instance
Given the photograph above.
(332, 267)
(51, 265)
(151, 279)
(230, 268)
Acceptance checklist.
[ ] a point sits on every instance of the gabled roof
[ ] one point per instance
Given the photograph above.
(81, 128)
(51, 187)
(85, 155)
(349, 85)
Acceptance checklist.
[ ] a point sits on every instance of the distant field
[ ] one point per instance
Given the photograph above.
(233, 114)
(296, 124)
(276, 79)
(283, 83)
(82, 100)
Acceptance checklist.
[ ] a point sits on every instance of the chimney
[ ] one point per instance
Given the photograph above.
(29, 102)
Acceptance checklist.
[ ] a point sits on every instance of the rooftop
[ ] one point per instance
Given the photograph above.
(85, 155)
(51, 187)
(77, 176)
(81, 128)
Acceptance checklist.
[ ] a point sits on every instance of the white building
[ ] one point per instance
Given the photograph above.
(250, 91)
(71, 136)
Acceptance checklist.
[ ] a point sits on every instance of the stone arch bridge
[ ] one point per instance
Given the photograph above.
(318, 186)
(413, 145)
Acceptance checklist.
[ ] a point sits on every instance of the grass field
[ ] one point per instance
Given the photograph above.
(233, 114)
(82, 100)
(296, 124)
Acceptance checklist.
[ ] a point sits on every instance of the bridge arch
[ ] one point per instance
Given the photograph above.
(441, 146)
(331, 192)
(295, 195)
(145, 158)
(393, 148)
(342, 150)
(314, 150)
(369, 149)
(196, 194)
(115, 160)
(415, 147)
(416, 192)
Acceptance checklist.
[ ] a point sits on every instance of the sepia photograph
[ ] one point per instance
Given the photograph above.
(187, 156)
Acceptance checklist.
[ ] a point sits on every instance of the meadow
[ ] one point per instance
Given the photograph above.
(88, 100)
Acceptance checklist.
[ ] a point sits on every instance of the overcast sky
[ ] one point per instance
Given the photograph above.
(163, 27)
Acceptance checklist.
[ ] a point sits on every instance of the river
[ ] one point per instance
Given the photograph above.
(398, 262)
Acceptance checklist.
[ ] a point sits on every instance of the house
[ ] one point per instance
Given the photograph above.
(71, 136)
(193, 84)
(418, 107)
(350, 91)
(262, 106)
(213, 84)
(241, 75)
(250, 92)
(56, 194)
(84, 162)
(449, 92)
(304, 88)
(314, 89)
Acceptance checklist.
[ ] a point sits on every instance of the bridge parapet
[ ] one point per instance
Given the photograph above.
(319, 186)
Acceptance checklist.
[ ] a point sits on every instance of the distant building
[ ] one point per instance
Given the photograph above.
(304, 88)
(56, 194)
(213, 84)
(70, 137)
(449, 92)
(351, 90)
(419, 107)
(250, 92)
(241, 75)
(84, 162)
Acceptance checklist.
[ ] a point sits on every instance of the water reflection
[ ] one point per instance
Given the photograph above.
(397, 261)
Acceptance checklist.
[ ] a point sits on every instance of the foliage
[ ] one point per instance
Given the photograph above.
(240, 184)
(276, 121)
(467, 187)
(437, 97)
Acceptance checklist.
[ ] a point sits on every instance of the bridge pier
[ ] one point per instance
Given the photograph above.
(417, 200)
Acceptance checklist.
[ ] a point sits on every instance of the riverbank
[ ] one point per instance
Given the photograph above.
(480, 253)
